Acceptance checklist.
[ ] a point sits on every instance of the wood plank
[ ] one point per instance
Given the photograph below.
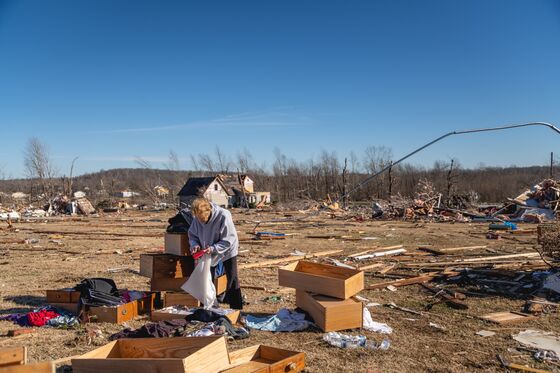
(405, 281)
(287, 259)
(507, 317)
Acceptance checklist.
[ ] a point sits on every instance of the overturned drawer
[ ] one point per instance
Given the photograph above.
(150, 355)
(265, 359)
(331, 314)
(324, 279)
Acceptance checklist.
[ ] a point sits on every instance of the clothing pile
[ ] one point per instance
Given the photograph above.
(44, 316)
(216, 324)
(284, 321)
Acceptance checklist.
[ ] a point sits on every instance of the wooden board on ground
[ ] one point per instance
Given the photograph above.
(404, 282)
(331, 314)
(323, 279)
(265, 359)
(287, 259)
(148, 355)
(507, 317)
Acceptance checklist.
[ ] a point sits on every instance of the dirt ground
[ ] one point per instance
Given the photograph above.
(70, 249)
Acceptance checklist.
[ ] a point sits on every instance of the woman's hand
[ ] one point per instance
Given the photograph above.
(194, 249)
(208, 250)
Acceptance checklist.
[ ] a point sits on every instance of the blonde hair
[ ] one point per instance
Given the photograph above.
(201, 209)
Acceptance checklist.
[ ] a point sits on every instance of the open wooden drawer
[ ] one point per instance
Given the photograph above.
(265, 359)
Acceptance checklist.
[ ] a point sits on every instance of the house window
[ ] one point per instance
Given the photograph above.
(215, 186)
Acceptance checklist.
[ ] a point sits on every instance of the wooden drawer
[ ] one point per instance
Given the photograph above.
(163, 314)
(180, 299)
(29, 368)
(174, 284)
(331, 314)
(122, 313)
(70, 307)
(323, 279)
(149, 355)
(13, 356)
(63, 296)
(265, 359)
(176, 243)
(166, 266)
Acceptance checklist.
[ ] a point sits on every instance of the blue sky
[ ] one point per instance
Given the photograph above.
(111, 80)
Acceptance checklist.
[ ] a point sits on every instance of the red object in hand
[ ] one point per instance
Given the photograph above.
(198, 254)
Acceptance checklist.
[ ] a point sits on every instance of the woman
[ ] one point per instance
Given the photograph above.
(213, 232)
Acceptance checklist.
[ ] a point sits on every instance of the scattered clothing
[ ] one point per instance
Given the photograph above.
(222, 326)
(374, 326)
(284, 321)
(44, 316)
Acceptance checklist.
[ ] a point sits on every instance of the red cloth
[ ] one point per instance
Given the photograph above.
(40, 318)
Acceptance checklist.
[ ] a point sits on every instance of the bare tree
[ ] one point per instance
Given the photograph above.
(172, 162)
(206, 163)
(38, 165)
(244, 161)
(222, 161)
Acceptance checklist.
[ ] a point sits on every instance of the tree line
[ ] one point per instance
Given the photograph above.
(327, 175)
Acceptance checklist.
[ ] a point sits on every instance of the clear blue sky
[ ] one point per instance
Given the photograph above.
(110, 80)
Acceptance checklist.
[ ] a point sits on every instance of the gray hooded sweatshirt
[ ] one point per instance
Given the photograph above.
(219, 233)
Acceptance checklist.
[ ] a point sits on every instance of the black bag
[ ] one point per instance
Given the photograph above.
(181, 222)
(99, 292)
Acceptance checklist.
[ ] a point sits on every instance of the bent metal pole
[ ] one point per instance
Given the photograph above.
(371, 177)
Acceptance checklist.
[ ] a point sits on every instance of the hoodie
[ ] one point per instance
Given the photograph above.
(219, 234)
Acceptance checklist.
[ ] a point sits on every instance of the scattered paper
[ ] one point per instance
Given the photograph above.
(539, 339)
(485, 333)
(391, 288)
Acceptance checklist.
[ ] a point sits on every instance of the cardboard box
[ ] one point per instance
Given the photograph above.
(63, 296)
(331, 314)
(165, 314)
(176, 243)
(166, 266)
(265, 359)
(123, 312)
(149, 355)
(323, 279)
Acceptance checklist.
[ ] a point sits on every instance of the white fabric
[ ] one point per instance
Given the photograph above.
(374, 326)
(200, 284)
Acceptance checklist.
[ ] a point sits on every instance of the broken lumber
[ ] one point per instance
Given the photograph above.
(375, 249)
(381, 253)
(286, 259)
(451, 300)
(404, 282)
(452, 249)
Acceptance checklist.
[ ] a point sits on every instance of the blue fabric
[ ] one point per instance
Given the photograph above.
(284, 321)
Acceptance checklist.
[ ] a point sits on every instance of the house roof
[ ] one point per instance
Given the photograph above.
(195, 184)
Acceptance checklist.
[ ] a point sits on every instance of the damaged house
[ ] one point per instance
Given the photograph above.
(224, 191)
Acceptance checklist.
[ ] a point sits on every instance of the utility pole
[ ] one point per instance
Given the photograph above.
(551, 163)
